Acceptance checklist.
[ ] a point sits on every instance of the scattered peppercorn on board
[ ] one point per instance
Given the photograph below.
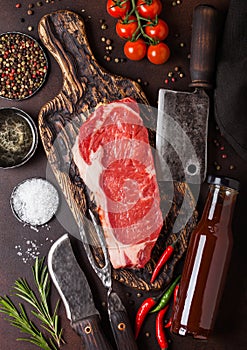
(86, 85)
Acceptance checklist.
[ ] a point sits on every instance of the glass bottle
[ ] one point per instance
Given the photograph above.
(206, 262)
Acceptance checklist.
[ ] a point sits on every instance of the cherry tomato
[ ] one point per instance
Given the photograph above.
(117, 8)
(158, 53)
(125, 29)
(158, 31)
(135, 50)
(149, 8)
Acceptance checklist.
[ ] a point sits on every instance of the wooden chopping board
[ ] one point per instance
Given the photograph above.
(85, 86)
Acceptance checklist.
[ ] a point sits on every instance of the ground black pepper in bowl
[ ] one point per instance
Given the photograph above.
(23, 66)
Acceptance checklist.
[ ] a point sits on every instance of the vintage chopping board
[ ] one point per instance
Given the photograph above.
(85, 86)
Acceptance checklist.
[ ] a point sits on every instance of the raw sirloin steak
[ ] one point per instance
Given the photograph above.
(115, 161)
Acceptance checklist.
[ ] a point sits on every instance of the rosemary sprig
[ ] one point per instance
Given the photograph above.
(21, 321)
(49, 321)
(42, 281)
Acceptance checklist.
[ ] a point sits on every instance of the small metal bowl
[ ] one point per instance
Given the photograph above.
(18, 137)
(22, 204)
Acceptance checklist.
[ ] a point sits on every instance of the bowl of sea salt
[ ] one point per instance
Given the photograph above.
(34, 201)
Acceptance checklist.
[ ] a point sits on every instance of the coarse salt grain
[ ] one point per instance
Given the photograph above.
(35, 201)
(30, 249)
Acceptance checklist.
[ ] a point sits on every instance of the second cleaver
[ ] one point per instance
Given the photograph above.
(76, 295)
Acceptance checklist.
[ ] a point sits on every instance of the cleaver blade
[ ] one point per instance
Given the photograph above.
(182, 120)
(75, 292)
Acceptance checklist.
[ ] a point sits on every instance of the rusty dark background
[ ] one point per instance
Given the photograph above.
(231, 325)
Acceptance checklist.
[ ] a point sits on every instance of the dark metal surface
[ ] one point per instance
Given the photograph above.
(70, 281)
(104, 273)
(182, 134)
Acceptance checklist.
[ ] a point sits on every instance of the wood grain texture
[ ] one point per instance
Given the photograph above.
(85, 86)
(120, 324)
(92, 334)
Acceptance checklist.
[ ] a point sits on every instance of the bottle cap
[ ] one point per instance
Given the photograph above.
(223, 181)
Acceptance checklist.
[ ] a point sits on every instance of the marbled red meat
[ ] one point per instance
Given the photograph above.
(114, 158)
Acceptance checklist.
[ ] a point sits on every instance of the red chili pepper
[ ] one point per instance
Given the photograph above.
(175, 294)
(162, 260)
(169, 323)
(160, 331)
(141, 314)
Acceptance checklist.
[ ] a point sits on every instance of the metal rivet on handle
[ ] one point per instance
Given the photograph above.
(121, 326)
(87, 329)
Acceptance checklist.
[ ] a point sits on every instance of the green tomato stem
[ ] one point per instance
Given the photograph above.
(140, 27)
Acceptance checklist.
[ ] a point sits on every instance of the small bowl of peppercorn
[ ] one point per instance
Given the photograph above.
(18, 137)
(23, 66)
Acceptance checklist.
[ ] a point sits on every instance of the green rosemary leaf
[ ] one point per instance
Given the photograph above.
(48, 289)
(49, 320)
(47, 329)
(60, 336)
(45, 283)
(36, 269)
(23, 313)
(50, 332)
(7, 303)
(26, 299)
(22, 287)
(39, 316)
(56, 307)
(56, 323)
(7, 307)
(53, 345)
(25, 290)
(43, 274)
(19, 319)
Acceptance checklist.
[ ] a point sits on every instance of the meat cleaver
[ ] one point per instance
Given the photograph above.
(76, 294)
(182, 121)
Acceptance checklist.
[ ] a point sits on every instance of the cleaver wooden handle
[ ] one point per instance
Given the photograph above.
(203, 46)
(120, 324)
(91, 334)
(121, 328)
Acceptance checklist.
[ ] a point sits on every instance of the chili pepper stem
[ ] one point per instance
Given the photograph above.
(166, 296)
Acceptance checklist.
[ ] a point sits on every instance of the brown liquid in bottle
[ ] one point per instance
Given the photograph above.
(206, 263)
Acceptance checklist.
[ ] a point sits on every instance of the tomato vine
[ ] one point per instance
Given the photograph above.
(139, 24)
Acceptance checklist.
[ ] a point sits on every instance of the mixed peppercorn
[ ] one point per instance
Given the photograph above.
(23, 66)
